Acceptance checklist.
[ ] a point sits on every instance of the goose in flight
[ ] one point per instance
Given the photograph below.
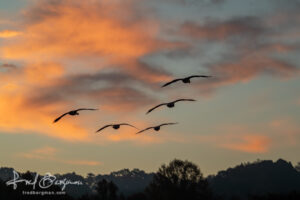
(115, 126)
(169, 105)
(186, 80)
(156, 128)
(72, 112)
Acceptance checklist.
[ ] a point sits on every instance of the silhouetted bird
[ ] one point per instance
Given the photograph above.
(169, 105)
(73, 112)
(156, 128)
(115, 126)
(185, 80)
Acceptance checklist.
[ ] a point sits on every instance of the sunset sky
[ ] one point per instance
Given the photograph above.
(59, 55)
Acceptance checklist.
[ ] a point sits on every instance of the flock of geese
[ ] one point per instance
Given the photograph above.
(156, 128)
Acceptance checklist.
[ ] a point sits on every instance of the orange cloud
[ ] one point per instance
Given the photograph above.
(237, 138)
(82, 162)
(19, 116)
(54, 34)
(84, 28)
(43, 73)
(22, 115)
(286, 130)
(28, 110)
(42, 153)
(50, 154)
(9, 33)
(250, 143)
(78, 30)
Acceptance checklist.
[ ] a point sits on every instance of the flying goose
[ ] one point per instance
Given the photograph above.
(156, 128)
(186, 80)
(115, 126)
(169, 105)
(72, 112)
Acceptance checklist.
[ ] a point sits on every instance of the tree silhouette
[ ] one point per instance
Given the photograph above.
(294, 195)
(137, 196)
(179, 180)
(107, 190)
(7, 192)
(257, 178)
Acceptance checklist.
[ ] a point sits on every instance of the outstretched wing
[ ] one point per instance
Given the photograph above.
(144, 130)
(199, 76)
(183, 100)
(56, 120)
(104, 127)
(173, 81)
(155, 107)
(125, 124)
(165, 124)
(86, 109)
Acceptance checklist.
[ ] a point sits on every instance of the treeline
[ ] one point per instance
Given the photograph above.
(180, 180)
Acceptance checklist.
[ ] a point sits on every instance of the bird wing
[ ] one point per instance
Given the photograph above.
(165, 124)
(56, 120)
(125, 124)
(155, 107)
(86, 109)
(104, 127)
(173, 81)
(183, 100)
(144, 130)
(199, 76)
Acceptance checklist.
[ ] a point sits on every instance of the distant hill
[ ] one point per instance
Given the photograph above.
(75, 191)
(257, 178)
(6, 173)
(128, 181)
